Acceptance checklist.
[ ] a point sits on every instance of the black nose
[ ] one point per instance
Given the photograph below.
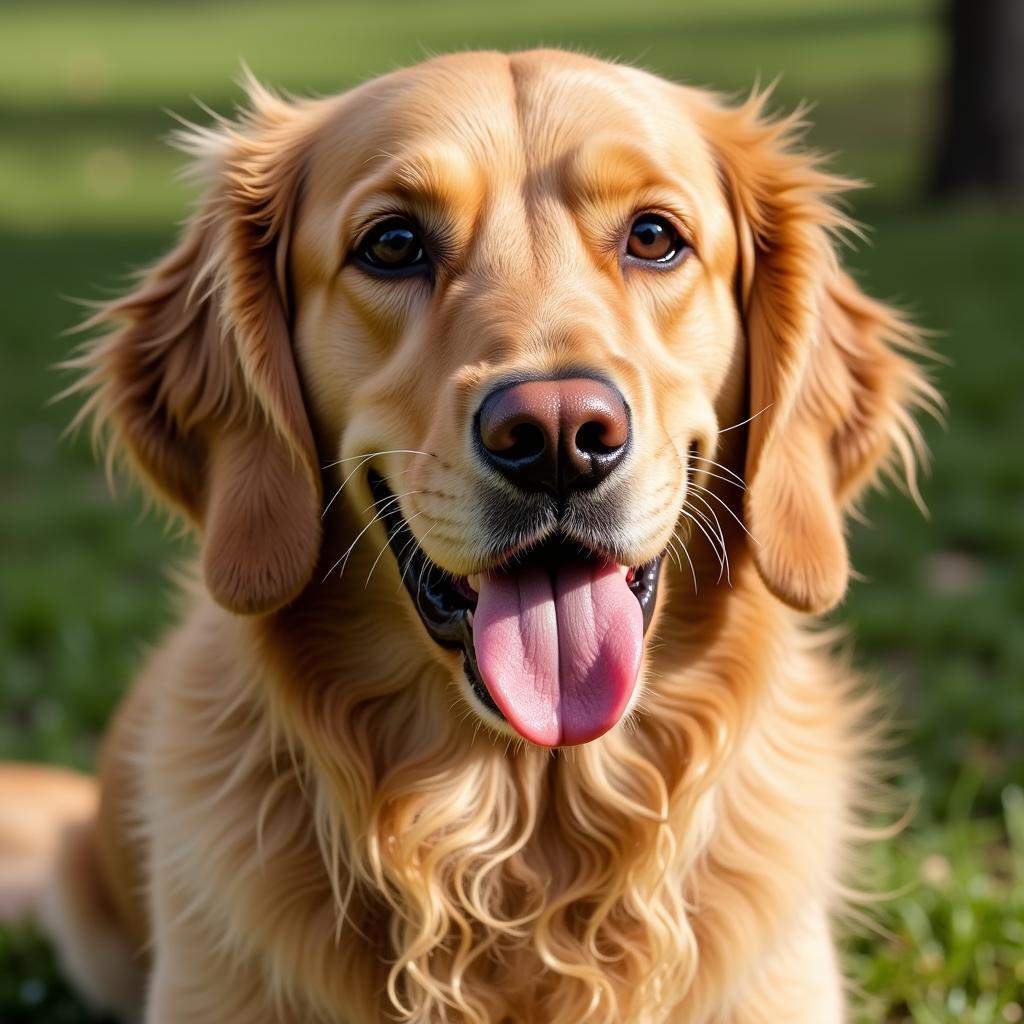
(554, 435)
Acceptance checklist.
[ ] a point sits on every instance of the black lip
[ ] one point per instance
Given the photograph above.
(445, 604)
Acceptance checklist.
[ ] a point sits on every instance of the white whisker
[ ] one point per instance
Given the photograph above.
(388, 500)
(373, 455)
(419, 581)
(725, 505)
(724, 479)
(693, 571)
(721, 533)
(401, 581)
(343, 485)
(363, 459)
(387, 544)
(711, 539)
(740, 482)
(344, 558)
(670, 548)
(743, 423)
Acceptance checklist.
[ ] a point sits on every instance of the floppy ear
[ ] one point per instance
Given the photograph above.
(831, 390)
(197, 383)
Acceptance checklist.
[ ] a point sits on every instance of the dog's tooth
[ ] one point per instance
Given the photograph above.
(474, 582)
(623, 570)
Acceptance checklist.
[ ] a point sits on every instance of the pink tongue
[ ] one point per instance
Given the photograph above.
(560, 655)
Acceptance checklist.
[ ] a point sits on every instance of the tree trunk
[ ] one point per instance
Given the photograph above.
(981, 142)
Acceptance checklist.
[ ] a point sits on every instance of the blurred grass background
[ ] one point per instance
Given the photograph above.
(88, 192)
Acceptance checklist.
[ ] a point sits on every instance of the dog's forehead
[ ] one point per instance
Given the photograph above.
(510, 114)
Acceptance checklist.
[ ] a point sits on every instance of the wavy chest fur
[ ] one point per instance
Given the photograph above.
(430, 867)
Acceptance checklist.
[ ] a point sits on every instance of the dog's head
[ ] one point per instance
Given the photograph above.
(534, 321)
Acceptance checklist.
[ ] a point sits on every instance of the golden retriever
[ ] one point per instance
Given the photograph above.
(517, 401)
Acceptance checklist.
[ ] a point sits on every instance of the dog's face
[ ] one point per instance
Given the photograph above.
(511, 303)
(527, 305)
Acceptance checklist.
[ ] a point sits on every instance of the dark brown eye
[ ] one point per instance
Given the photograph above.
(654, 240)
(393, 245)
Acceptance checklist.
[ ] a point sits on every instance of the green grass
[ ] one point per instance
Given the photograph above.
(87, 192)
(949, 945)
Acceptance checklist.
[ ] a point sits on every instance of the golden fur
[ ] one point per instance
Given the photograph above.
(302, 818)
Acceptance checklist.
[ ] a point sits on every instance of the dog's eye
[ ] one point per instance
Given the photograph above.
(394, 244)
(653, 239)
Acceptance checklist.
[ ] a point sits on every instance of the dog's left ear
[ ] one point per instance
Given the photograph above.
(831, 390)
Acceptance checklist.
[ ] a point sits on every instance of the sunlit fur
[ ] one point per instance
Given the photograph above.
(321, 824)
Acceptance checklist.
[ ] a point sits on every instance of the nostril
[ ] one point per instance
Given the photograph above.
(555, 435)
(593, 439)
(528, 441)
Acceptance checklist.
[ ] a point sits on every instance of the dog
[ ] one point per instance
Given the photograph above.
(518, 402)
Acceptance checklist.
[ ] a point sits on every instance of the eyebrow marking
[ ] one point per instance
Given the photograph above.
(439, 184)
(442, 175)
(609, 170)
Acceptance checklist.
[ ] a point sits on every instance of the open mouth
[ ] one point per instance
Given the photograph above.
(552, 639)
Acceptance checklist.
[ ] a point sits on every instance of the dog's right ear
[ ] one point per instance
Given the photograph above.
(196, 383)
